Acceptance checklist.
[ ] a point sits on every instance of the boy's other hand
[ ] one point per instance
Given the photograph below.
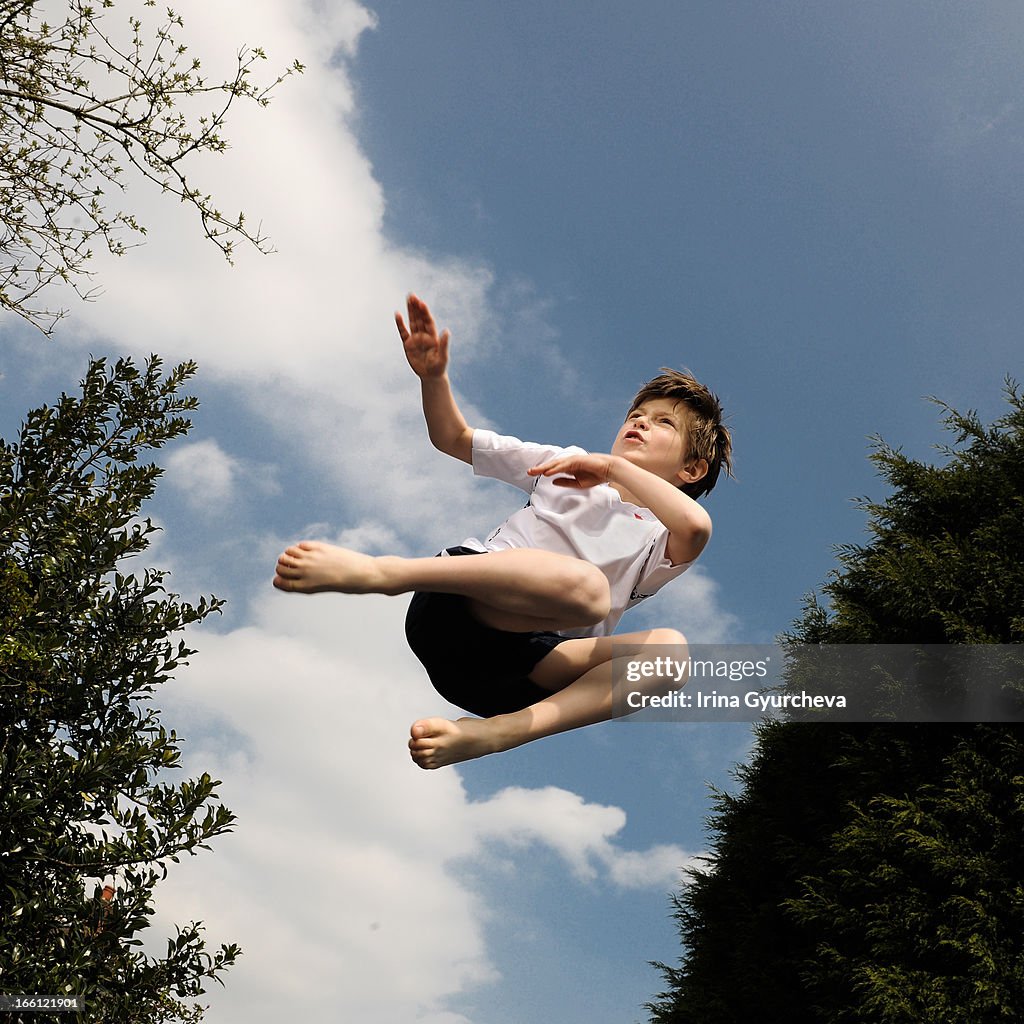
(578, 471)
(426, 350)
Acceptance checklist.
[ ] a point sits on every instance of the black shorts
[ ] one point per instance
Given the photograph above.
(479, 669)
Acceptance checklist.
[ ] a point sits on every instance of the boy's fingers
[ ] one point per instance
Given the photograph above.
(412, 306)
(402, 332)
(420, 319)
(547, 468)
(418, 311)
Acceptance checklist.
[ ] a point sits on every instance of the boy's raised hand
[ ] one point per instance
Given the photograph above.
(426, 350)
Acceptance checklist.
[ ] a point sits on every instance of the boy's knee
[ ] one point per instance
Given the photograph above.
(667, 637)
(587, 592)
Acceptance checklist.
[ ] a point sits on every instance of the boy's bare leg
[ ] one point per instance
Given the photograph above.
(518, 591)
(581, 674)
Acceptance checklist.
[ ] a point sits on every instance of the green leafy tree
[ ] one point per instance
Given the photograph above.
(87, 800)
(87, 104)
(869, 873)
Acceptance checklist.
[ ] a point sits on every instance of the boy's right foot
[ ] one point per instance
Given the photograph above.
(311, 567)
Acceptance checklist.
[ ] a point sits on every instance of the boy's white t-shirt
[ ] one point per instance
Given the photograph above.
(626, 542)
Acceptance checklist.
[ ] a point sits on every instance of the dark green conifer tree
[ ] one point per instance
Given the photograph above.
(875, 873)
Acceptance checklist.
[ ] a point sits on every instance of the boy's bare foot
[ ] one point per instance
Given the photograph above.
(437, 742)
(311, 567)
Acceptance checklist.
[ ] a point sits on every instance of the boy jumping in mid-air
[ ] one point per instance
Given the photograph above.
(516, 628)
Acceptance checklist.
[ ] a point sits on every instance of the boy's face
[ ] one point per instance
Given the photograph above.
(654, 437)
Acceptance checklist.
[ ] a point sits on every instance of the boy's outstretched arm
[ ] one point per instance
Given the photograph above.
(427, 353)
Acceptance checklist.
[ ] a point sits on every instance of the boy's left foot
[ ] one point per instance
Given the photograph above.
(437, 742)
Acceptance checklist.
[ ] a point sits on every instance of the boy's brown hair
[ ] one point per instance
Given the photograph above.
(709, 437)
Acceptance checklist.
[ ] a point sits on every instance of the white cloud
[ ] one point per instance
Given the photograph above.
(691, 604)
(306, 333)
(204, 472)
(662, 866)
(342, 843)
(580, 832)
(210, 478)
(346, 858)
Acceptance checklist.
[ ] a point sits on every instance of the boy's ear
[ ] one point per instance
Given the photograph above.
(693, 471)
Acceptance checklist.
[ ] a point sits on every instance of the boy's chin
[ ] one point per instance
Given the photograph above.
(632, 453)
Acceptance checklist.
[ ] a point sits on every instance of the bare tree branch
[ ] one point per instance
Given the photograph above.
(81, 113)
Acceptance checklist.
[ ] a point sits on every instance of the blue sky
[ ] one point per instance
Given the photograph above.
(816, 207)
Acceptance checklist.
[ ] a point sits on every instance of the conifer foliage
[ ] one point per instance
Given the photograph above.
(91, 813)
(869, 873)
